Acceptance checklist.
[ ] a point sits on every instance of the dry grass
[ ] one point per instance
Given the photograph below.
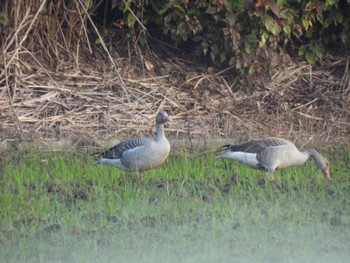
(57, 84)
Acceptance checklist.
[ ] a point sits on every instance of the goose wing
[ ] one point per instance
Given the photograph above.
(117, 151)
(258, 145)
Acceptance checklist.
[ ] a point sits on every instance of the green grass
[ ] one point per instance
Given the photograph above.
(58, 208)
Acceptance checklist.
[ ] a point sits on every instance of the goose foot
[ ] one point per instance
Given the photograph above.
(272, 178)
(136, 178)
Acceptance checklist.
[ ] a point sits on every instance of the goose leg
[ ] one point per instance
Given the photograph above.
(272, 178)
(137, 176)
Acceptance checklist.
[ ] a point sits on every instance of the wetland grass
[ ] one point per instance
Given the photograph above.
(60, 208)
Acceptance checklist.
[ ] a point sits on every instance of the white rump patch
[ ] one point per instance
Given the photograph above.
(113, 162)
(246, 158)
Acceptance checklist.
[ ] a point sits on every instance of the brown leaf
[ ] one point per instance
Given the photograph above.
(273, 6)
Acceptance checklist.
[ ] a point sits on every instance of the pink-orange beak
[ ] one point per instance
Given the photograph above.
(166, 118)
(327, 173)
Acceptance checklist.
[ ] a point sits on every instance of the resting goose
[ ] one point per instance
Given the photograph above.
(140, 154)
(270, 153)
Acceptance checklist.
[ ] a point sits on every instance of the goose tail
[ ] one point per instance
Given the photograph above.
(96, 154)
(96, 163)
(223, 148)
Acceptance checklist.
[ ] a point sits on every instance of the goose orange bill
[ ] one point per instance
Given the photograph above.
(327, 173)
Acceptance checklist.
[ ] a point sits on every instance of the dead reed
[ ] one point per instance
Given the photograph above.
(56, 83)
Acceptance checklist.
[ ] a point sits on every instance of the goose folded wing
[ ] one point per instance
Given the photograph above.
(258, 145)
(117, 151)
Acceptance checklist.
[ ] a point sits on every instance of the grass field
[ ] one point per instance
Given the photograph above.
(60, 208)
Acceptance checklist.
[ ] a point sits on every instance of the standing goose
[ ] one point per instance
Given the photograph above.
(270, 153)
(140, 154)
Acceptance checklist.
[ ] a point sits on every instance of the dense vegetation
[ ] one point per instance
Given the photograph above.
(58, 208)
(245, 34)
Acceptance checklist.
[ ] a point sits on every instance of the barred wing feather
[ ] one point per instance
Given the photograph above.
(258, 145)
(117, 151)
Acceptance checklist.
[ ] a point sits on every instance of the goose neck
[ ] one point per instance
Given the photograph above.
(304, 156)
(319, 160)
(160, 131)
(310, 152)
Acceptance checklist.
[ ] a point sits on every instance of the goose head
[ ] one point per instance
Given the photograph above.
(162, 117)
(325, 170)
(323, 164)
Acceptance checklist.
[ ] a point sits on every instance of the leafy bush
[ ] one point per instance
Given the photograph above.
(244, 34)
(253, 37)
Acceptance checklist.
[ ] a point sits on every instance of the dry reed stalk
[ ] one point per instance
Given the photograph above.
(59, 85)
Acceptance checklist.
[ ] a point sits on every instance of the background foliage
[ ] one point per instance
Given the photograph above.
(245, 34)
(68, 64)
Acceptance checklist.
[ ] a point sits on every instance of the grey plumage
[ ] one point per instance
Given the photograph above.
(118, 150)
(271, 153)
(140, 154)
(256, 145)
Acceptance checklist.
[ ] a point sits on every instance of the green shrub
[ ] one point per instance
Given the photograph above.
(244, 34)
